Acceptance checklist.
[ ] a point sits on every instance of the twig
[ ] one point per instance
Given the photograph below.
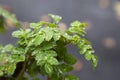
(23, 69)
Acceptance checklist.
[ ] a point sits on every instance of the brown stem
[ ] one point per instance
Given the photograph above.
(48, 78)
(19, 77)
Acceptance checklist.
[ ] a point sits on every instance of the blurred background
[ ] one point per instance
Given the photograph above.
(103, 18)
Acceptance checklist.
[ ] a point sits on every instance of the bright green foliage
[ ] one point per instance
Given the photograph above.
(86, 50)
(56, 18)
(42, 49)
(70, 77)
(9, 59)
(77, 28)
(48, 69)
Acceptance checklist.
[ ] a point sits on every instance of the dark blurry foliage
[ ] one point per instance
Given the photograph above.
(7, 19)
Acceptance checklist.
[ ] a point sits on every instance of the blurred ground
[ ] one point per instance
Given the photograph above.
(103, 18)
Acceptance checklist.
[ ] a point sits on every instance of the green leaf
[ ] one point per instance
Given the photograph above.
(75, 23)
(7, 48)
(50, 53)
(55, 18)
(85, 48)
(7, 64)
(11, 68)
(88, 56)
(69, 59)
(56, 36)
(35, 25)
(21, 33)
(48, 69)
(49, 36)
(35, 52)
(67, 36)
(75, 39)
(42, 23)
(40, 57)
(1, 73)
(17, 34)
(94, 60)
(70, 77)
(47, 45)
(5, 59)
(65, 68)
(38, 39)
(18, 50)
(77, 28)
(57, 74)
(52, 61)
(43, 57)
(48, 33)
(18, 58)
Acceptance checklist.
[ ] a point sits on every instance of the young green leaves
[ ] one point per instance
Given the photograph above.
(56, 19)
(45, 44)
(85, 49)
(78, 29)
(9, 57)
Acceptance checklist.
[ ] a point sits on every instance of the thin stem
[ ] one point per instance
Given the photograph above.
(48, 78)
(23, 69)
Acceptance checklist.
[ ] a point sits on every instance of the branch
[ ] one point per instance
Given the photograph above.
(23, 69)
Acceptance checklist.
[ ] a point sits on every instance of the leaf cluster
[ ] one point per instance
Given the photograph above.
(42, 50)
